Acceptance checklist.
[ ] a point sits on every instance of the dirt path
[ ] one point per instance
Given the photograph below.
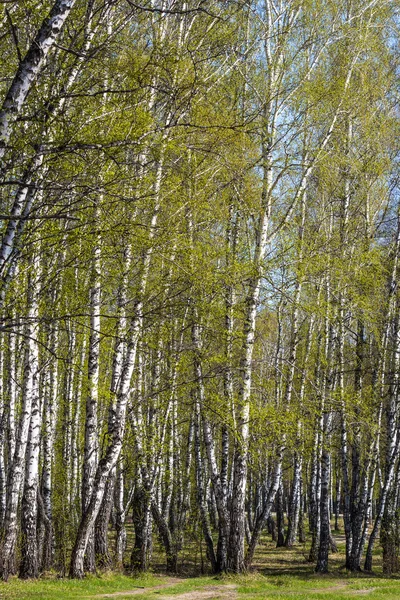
(341, 587)
(225, 592)
(208, 592)
(141, 590)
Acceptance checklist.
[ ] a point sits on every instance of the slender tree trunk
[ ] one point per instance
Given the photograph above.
(120, 516)
(204, 515)
(91, 450)
(29, 566)
(315, 487)
(103, 558)
(337, 500)
(50, 404)
(294, 502)
(3, 432)
(141, 505)
(280, 518)
(302, 533)
(325, 532)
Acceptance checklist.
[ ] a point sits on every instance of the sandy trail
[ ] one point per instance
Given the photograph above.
(141, 590)
(225, 592)
(210, 592)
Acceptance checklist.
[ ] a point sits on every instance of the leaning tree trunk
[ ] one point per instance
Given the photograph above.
(108, 462)
(30, 67)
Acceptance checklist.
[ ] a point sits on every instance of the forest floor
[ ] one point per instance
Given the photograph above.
(279, 574)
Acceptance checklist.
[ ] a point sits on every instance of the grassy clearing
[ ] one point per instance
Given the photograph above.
(257, 586)
(280, 574)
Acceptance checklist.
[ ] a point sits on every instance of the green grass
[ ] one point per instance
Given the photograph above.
(279, 574)
(251, 587)
(314, 587)
(53, 588)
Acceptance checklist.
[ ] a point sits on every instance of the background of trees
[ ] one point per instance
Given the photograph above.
(199, 265)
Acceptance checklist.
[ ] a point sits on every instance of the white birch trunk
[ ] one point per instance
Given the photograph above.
(3, 429)
(30, 67)
(91, 449)
(50, 418)
(12, 394)
(29, 566)
(17, 464)
(22, 197)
